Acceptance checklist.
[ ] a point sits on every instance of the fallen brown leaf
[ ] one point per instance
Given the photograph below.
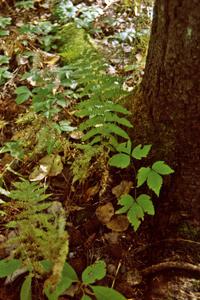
(105, 212)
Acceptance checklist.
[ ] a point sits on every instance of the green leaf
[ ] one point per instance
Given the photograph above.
(64, 126)
(133, 217)
(91, 133)
(124, 147)
(127, 202)
(142, 175)
(7, 267)
(139, 152)
(23, 94)
(47, 265)
(86, 297)
(146, 203)
(94, 272)
(119, 160)
(4, 59)
(25, 292)
(154, 182)
(69, 272)
(162, 168)
(15, 149)
(68, 277)
(105, 293)
(117, 130)
(4, 32)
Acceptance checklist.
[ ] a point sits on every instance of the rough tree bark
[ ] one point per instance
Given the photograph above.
(167, 114)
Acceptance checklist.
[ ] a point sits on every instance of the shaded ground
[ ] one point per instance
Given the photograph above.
(126, 253)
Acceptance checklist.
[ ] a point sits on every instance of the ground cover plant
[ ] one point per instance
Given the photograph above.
(72, 178)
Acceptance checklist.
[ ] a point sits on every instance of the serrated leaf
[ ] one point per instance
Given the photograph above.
(94, 272)
(111, 117)
(25, 292)
(146, 203)
(91, 133)
(7, 267)
(119, 160)
(124, 147)
(117, 130)
(154, 182)
(139, 152)
(133, 218)
(162, 168)
(127, 202)
(105, 293)
(142, 175)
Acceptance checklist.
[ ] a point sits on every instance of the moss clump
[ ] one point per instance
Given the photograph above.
(73, 42)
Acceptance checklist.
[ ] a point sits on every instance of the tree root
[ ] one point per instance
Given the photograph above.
(184, 266)
(172, 240)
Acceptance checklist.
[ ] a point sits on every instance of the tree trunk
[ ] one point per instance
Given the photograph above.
(167, 114)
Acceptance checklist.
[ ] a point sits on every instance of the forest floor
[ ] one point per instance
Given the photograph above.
(27, 32)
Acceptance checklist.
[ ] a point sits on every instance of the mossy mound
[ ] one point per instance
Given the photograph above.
(73, 42)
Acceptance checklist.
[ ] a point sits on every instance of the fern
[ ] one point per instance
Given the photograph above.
(40, 229)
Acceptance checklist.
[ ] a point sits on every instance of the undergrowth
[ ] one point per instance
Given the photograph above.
(73, 121)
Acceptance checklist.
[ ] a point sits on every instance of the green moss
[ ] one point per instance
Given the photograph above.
(73, 42)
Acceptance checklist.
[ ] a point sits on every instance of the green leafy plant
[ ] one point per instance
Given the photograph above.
(90, 275)
(26, 4)
(83, 15)
(5, 74)
(39, 233)
(14, 148)
(136, 207)
(4, 22)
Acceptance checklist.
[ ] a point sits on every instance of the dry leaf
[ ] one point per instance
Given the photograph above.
(92, 191)
(122, 188)
(72, 290)
(138, 57)
(133, 277)
(112, 237)
(56, 166)
(105, 212)
(49, 165)
(118, 223)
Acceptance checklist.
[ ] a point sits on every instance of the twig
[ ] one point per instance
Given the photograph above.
(116, 273)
